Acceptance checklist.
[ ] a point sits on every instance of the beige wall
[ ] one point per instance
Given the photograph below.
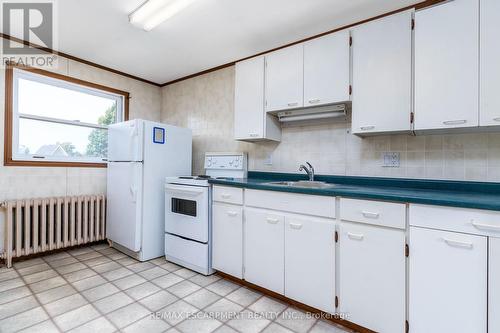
(205, 104)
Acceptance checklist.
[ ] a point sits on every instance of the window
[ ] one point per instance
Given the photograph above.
(53, 119)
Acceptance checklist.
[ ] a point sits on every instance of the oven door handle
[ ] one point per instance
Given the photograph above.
(188, 190)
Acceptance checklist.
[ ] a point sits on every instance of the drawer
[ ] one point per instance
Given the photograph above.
(227, 194)
(471, 221)
(292, 202)
(382, 213)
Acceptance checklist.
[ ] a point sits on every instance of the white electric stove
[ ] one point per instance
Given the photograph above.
(188, 211)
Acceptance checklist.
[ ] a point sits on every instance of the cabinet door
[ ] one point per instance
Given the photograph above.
(372, 276)
(227, 239)
(326, 69)
(494, 285)
(490, 66)
(285, 78)
(310, 261)
(382, 75)
(447, 282)
(264, 249)
(447, 65)
(249, 99)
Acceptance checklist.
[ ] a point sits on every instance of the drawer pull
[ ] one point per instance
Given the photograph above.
(293, 104)
(496, 119)
(355, 236)
(314, 101)
(456, 243)
(370, 215)
(296, 226)
(367, 128)
(486, 226)
(254, 135)
(231, 213)
(271, 220)
(225, 196)
(454, 122)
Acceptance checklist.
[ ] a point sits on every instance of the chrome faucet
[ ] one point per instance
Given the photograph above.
(309, 171)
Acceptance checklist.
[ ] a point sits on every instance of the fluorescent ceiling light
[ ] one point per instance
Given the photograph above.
(153, 12)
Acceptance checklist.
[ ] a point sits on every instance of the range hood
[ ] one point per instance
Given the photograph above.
(333, 112)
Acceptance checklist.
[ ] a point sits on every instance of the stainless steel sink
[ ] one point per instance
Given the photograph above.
(304, 184)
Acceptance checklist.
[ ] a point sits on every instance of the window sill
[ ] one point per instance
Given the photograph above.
(54, 164)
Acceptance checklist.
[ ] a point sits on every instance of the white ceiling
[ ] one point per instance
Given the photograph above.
(207, 34)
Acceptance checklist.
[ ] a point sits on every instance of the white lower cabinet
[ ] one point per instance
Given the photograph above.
(310, 261)
(372, 276)
(264, 245)
(227, 238)
(494, 285)
(448, 277)
(449, 283)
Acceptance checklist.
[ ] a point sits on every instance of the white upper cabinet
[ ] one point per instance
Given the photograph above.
(447, 282)
(382, 75)
(250, 119)
(490, 65)
(285, 78)
(326, 69)
(447, 66)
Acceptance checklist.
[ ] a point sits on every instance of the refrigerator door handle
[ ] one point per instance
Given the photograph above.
(133, 192)
(134, 132)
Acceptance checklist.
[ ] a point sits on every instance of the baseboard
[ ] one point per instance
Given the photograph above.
(307, 308)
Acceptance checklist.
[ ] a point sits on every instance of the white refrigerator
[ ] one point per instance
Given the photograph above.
(140, 155)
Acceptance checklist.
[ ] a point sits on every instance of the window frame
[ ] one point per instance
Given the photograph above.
(11, 117)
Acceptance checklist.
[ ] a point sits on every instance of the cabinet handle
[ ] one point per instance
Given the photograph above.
(253, 135)
(355, 236)
(231, 213)
(293, 104)
(271, 220)
(496, 119)
(454, 122)
(296, 226)
(367, 128)
(370, 215)
(486, 226)
(314, 101)
(225, 196)
(456, 243)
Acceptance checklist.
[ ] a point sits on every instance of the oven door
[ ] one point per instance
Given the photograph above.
(186, 211)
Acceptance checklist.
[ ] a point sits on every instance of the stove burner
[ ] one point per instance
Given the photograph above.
(186, 177)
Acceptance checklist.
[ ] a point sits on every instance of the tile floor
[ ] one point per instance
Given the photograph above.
(98, 289)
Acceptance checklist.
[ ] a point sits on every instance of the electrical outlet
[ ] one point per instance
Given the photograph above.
(390, 160)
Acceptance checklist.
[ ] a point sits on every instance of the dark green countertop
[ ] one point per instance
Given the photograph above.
(476, 195)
